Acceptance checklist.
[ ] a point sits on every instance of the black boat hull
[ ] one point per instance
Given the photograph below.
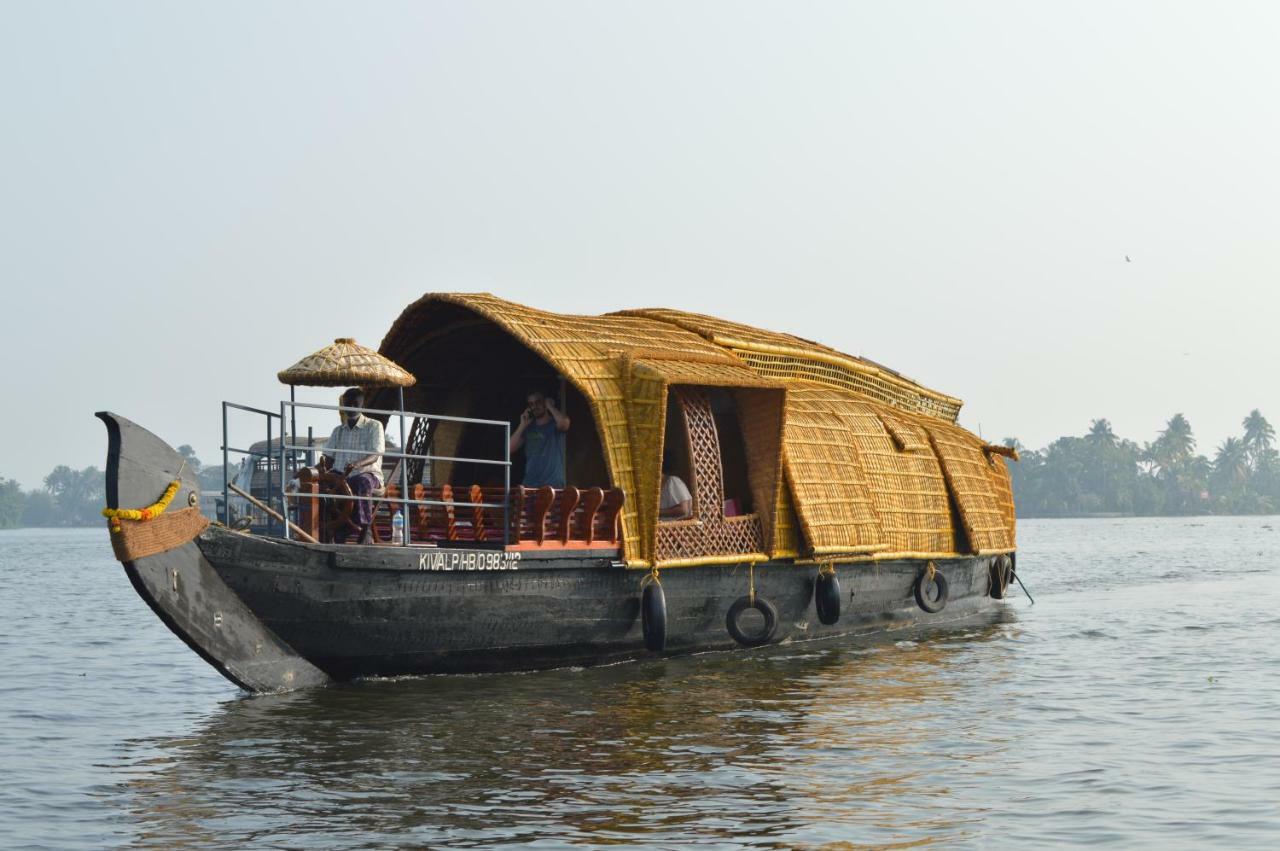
(359, 611)
(273, 615)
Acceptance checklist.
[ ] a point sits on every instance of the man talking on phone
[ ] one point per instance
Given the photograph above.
(541, 433)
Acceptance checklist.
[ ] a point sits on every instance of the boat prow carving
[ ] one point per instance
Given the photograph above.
(180, 585)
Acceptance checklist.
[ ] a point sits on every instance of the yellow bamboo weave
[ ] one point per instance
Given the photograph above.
(832, 499)
(786, 526)
(974, 482)
(873, 460)
(906, 487)
(346, 362)
(1003, 487)
(787, 357)
(596, 353)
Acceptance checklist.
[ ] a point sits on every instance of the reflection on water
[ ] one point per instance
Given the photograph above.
(1136, 703)
(778, 747)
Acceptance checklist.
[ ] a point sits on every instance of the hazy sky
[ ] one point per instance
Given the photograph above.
(191, 198)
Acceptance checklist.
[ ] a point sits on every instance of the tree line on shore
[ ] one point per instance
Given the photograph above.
(72, 497)
(1100, 473)
(1096, 473)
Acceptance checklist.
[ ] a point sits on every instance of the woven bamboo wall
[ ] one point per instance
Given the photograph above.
(832, 498)
(973, 480)
(762, 413)
(1003, 486)
(647, 394)
(902, 476)
(907, 482)
(786, 526)
(907, 436)
(647, 410)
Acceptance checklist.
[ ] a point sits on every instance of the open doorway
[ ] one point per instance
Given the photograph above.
(472, 368)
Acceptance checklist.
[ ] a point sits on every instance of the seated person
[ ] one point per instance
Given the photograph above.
(355, 449)
(541, 433)
(676, 503)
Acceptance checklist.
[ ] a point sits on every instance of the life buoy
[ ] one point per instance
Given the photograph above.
(653, 617)
(1000, 570)
(761, 605)
(927, 580)
(826, 597)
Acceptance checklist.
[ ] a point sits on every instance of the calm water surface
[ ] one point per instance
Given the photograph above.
(1137, 703)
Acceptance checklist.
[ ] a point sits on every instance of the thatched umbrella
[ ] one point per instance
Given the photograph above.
(347, 363)
(343, 363)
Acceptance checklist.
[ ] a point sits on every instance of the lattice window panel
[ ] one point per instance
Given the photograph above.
(709, 533)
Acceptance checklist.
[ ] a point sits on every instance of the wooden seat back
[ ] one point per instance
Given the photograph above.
(436, 522)
(606, 520)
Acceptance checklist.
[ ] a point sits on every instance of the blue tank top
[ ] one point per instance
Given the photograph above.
(543, 455)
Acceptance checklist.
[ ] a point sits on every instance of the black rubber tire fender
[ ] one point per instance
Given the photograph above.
(1000, 571)
(653, 617)
(932, 606)
(826, 598)
(761, 605)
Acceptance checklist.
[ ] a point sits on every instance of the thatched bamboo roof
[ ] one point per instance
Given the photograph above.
(872, 462)
(787, 356)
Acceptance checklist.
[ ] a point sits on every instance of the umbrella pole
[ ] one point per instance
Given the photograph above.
(404, 476)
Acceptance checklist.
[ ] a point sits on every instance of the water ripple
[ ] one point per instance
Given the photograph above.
(1135, 704)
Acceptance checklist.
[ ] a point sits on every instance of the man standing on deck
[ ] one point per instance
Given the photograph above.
(355, 449)
(541, 433)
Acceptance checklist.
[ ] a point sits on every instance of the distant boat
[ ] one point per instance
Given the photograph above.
(830, 496)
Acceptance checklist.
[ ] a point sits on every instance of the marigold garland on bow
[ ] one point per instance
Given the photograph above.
(155, 509)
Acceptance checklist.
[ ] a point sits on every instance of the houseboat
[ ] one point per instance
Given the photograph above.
(826, 495)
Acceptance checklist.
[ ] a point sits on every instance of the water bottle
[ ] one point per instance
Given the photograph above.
(397, 528)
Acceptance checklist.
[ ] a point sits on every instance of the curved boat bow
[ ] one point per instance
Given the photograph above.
(178, 583)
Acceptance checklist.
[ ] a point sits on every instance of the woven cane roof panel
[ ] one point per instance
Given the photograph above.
(975, 483)
(346, 362)
(870, 455)
(790, 358)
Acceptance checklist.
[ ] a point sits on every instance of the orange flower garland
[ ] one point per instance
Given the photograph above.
(155, 509)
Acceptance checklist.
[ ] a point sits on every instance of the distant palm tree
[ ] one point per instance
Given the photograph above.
(1177, 438)
(1173, 447)
(1100, 432)
(1231, 464)
(1259, 436)
(77, 494)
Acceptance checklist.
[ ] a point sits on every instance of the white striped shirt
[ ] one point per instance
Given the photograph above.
(348, 445)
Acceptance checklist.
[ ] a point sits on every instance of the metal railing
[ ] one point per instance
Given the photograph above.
(288, 452)
(226, 456)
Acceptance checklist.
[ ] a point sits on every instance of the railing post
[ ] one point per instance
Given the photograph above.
(404, 478)
(226, 482)
(269, 488)
(506, 487)
(284, 499)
